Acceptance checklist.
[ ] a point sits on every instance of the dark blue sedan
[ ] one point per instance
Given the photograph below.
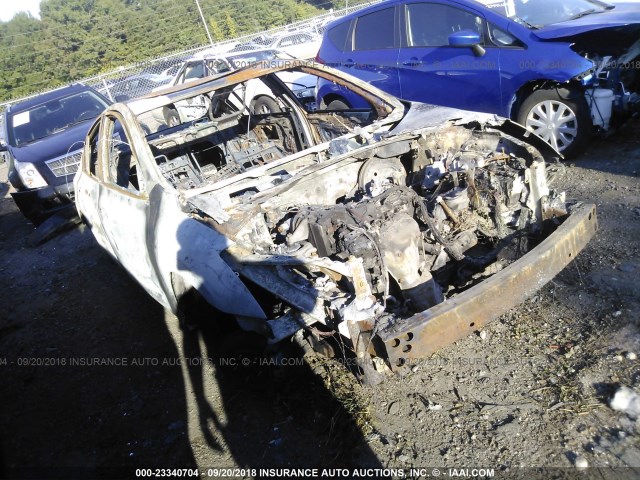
(44, 140)
(561, 68)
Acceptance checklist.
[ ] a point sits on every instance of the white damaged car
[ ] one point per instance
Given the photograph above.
(399, 228)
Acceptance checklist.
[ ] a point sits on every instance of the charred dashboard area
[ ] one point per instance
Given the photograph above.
(206, 152)
(215, 149)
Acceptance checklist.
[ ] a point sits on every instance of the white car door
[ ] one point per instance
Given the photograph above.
(87, 188)
(143, 225)
(123, 204)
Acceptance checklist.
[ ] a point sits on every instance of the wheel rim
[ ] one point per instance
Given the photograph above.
(554, 122)
(173, 120)
(263, 109)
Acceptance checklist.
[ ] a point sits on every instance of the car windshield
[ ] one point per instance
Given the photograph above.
(195, 70)
(53, 116)
(538, 13)
(251, 58)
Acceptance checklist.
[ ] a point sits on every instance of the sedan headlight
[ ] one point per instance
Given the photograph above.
(29, 175)
(305, 92)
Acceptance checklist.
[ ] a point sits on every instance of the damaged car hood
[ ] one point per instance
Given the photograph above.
(423, 115)
(623, 15)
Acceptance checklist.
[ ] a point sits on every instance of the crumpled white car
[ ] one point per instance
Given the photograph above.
(252, 93)
(399, 228)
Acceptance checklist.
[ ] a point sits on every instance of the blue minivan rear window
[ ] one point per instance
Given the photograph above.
(375, 31)
(338, 35)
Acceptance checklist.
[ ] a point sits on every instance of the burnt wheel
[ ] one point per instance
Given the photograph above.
(264, 105)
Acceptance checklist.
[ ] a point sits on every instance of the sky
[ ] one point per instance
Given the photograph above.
(8, 8)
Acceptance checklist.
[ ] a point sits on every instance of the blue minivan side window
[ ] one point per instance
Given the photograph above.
(376, 31)
(430, 24)
(339, 36)
(502, 38)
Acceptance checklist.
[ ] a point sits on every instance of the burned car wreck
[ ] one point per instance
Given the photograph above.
(399, 228)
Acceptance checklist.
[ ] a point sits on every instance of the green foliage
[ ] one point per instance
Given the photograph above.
(216, 30)
(230, 27)
(75, 39)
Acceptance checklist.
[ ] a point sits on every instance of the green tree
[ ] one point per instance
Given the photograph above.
(216, 31)
(74, 39)
(231, 29)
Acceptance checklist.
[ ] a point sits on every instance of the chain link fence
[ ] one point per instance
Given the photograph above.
(300, 39)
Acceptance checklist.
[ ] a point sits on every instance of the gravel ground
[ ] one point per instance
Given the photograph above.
(97, 380)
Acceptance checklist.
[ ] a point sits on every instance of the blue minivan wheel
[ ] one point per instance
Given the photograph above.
(337, 105)
(558, 116)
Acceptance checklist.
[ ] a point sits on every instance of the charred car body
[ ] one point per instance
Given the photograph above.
(402, 226)
(259, 97)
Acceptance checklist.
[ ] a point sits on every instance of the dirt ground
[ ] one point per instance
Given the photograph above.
(96, 380)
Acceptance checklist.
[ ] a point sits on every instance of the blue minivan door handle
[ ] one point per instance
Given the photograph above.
(349, 63)
(412, 62)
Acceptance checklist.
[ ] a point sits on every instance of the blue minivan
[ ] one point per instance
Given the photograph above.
(560, 68)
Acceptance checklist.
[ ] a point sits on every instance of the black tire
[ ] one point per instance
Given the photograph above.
(265, 105)
(569, 108)
(171, 117)
(53, 226)
(337, 105)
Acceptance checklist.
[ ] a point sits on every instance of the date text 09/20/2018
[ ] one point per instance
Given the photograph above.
(391, 473)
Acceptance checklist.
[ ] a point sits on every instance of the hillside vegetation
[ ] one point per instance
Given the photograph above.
(74, 39)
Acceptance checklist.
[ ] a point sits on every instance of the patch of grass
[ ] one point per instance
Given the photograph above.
(347, 392)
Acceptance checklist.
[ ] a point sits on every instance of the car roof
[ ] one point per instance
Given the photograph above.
(271, 51)
(226, 55)
(45, 97)
(472, 4)
(202, 86)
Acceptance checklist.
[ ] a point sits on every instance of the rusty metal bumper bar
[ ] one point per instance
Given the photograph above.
(422, 334)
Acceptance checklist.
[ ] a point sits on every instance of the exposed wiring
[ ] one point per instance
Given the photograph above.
(383, 266)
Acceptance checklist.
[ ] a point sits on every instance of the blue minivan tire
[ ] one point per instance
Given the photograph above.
(337, 105)
(560, 116)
